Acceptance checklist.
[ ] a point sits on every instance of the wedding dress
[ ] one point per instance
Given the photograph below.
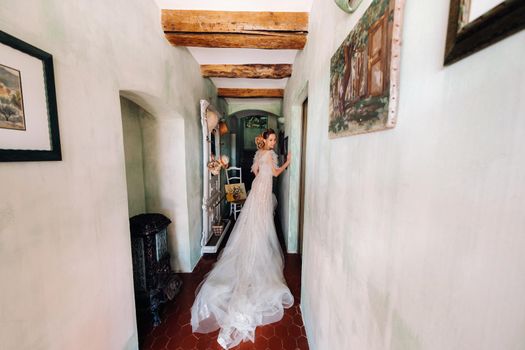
(246, 287)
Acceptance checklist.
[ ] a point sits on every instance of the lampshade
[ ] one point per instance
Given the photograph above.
(223, 128)
(211, 119)
(225, 161)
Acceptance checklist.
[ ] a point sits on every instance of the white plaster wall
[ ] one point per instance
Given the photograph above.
(270, 105)
(155, 173)
(65, 261)
(133, 149)
(164, 165)
(414, 236)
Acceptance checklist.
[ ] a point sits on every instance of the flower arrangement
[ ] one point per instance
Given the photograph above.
(215, 165)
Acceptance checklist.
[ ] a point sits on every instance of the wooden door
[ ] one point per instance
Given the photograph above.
(302, 177)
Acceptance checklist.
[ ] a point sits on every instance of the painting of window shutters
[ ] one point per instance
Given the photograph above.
(357, 76)
(364, 72)
(377, 48)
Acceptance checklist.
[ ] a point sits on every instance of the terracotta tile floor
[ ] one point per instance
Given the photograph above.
(175, 329)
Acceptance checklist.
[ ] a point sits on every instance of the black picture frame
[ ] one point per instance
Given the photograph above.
(465, 39)
(280, 139)
(25, 154)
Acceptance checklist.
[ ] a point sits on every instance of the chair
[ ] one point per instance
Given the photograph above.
(234, 175)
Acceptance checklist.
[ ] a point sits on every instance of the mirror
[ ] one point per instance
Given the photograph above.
(476, 24)
(211, 175)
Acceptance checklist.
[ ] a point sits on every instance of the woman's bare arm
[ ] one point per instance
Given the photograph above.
(255, 165)
(277, 171)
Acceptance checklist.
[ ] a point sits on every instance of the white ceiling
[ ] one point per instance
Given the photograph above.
(205, 55)
(241, 56)
(238, 5)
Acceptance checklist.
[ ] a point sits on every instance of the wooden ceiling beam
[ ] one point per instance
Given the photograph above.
(251, 71)
(249, 41)
(264, 30)
(229, 92)
(196, 21)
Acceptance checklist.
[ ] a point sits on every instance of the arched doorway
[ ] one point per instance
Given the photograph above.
(244, 126)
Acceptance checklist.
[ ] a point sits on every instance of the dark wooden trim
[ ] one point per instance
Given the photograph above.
(502, 21)
(9, 155)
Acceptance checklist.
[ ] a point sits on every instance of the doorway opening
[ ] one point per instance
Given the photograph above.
(150, 150)
(244, 126)
(302, 173)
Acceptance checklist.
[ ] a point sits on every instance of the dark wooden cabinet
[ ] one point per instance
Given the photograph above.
(154, 281)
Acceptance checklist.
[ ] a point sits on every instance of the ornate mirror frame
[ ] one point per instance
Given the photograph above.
(212, 192)
(465, 38)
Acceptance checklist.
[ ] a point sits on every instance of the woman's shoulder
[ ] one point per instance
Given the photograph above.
(265, 152)
(261, 152)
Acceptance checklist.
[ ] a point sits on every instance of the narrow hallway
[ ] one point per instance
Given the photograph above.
(402, 127)
(174, 333)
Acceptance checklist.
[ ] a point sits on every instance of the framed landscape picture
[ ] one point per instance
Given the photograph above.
(11, 99)
(364, 72)
(28, 109)
(256, 122)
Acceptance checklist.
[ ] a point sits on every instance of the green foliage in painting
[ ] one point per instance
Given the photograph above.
(354, 108)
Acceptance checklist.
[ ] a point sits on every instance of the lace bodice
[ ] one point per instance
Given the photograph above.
(264, 161)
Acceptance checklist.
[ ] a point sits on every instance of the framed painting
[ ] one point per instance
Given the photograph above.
(280, 140)
(285, 146)
(235, 192)
(28, 109)
(256, 122)
(348, 5)
(476, 24)
(364, 72)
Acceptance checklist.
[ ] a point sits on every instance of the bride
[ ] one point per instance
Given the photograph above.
(246, 287)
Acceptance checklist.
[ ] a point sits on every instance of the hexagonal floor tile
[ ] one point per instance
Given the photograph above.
(175, 331)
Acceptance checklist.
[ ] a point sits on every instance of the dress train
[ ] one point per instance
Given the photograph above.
(246, 287)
